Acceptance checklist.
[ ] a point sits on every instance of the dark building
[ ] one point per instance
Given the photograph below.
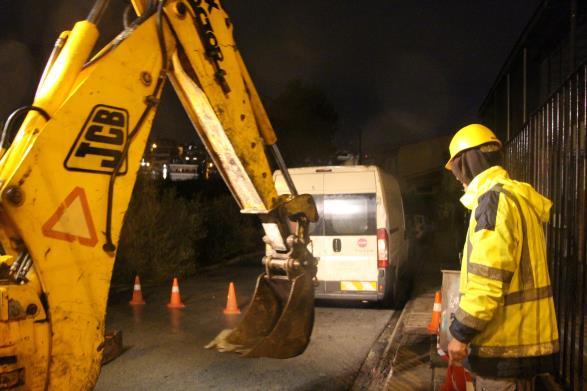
(549, 50)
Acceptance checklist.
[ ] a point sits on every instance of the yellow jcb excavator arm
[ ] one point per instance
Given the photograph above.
(67, 177)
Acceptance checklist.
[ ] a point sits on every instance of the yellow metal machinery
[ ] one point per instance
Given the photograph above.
(67, 176)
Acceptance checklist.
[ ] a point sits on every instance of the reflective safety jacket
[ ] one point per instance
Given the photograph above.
(506, 310)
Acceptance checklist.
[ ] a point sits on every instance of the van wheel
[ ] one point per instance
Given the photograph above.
(399, 291)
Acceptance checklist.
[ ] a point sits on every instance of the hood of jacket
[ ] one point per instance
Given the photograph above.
(483, 182)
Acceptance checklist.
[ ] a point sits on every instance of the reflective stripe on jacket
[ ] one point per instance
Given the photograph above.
(506, 308)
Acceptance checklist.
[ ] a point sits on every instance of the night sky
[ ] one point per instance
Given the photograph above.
(397, 71)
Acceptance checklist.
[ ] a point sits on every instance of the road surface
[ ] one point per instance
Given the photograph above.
(165, 348)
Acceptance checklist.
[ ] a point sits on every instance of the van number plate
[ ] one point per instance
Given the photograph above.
(358, 286)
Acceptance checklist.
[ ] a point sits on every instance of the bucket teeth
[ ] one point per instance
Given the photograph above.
(278, 322)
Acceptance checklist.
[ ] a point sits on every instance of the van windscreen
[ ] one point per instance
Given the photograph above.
(345, 214)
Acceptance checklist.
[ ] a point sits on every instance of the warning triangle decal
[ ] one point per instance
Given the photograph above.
(72, 220)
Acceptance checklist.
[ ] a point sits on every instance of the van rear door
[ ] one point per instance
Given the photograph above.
(348, 253)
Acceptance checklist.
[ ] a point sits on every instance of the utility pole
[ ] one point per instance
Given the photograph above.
(360, 159)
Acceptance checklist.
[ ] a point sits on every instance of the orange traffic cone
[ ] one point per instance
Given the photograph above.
(137, 295)
(436, 310)
(231, 307)
(175, 300)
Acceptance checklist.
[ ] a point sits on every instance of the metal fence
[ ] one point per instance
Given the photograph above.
(549, 153)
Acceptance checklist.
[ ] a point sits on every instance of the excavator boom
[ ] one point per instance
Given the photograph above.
(67, 177)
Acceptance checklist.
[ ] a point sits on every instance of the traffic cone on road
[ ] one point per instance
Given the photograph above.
(231, 306)
(137, 295)
(175, 300)
(436, 310)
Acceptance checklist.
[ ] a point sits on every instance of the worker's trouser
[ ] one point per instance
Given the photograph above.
(493, 384)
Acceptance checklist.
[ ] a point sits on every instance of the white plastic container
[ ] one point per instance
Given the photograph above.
(450, 304)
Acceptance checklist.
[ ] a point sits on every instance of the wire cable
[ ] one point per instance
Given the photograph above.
(14, 116)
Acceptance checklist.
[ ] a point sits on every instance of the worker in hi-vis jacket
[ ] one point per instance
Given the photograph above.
(506, 323)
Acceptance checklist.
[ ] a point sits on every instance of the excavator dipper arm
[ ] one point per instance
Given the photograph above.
(67, 177)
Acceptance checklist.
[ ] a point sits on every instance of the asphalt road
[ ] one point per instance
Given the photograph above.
(165, 348)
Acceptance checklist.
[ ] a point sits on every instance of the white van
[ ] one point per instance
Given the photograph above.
(360, 239)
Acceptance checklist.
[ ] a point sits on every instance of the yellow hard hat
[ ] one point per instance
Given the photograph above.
(470, 136)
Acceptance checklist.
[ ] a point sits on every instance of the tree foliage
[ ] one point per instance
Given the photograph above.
(171, 229)
(305, 123)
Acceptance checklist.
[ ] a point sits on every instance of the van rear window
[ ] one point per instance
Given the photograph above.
(345, 214)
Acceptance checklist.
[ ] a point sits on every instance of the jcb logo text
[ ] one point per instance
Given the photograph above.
(100, 143)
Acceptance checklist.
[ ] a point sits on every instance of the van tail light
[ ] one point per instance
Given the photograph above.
(382, 250)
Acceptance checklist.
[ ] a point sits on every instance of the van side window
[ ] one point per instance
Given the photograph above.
(317, 228)
(349, 214)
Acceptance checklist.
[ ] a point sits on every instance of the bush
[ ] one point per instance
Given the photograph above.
(229, 232)
(161, 234)
(171, 229)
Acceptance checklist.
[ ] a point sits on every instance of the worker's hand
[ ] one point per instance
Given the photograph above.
(457, 351)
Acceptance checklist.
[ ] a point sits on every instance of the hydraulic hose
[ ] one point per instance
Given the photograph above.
(97, 11)
(281, 164)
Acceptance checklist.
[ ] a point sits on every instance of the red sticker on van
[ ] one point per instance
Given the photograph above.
(362, 242)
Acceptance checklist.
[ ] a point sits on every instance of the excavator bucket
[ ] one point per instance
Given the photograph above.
(278, 322)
